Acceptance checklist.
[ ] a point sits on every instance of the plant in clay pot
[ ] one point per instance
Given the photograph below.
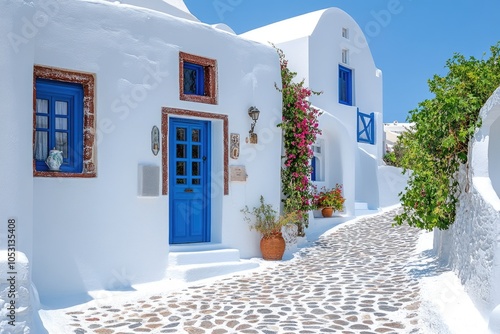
(330, 200)
(268, 222)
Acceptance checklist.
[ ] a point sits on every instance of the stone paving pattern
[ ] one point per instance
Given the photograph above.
(355, 280)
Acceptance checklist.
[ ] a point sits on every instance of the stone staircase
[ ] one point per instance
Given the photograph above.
(361, 209)
(196, 264)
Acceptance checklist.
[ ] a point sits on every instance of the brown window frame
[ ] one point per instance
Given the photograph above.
(87, 80)
(210, 82)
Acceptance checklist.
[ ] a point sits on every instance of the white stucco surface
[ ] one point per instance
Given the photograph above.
(392, 182)
(172, 7)
(16, 310)
(290, 29)
(471, 245)
(16, 93)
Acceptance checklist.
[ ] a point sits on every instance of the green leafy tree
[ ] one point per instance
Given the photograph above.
(394, 157)
(438, 143)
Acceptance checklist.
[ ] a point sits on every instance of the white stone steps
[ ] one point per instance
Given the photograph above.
(190, 266)
(362, 209)
(203, 257)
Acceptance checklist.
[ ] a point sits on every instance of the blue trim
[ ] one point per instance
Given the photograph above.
(190, 201)
(197, 87)
(313, 166)
(72, 94)
(345, 85)
(366, 128)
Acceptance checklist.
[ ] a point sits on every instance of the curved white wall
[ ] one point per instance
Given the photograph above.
(494, 155)
(325, 55)
(340, 151)
(472, 244)
(16, 133)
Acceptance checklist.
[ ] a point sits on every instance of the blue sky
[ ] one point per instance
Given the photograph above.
(409, 46)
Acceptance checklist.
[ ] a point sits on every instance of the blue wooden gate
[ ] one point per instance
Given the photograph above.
(366, 128)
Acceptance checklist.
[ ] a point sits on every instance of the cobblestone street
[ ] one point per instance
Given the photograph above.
(354, 280)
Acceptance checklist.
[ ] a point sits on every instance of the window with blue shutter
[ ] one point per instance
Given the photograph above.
(345, 85)
(194, 79)
(197, 79)
(59, 124)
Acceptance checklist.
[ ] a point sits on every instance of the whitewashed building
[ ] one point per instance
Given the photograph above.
(472, 244)
(328, 49)
(392, 131)
(150, 108)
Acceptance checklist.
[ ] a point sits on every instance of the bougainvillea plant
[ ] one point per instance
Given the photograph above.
(300, 129)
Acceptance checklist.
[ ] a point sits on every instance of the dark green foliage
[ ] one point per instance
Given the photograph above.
(438, 144)
(394, 157)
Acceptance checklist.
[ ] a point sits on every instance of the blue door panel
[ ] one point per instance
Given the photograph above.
(189, 171)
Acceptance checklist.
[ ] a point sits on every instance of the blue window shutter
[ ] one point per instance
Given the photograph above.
(313, 172)
(194, 79)
(66, 126)
(345, 85)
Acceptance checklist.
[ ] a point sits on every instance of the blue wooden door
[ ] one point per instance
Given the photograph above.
(189, 180)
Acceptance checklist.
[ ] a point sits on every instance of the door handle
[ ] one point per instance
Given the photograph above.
(188, 190)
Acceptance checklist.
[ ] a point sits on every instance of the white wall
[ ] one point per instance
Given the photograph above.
(472, 245)
(97, 233)
(16, 318)
(367, 186)
(391, 182)
(315, 54)
(16, 94)
(340, 150)
(297, 55)
(494, 155)
(325, 53)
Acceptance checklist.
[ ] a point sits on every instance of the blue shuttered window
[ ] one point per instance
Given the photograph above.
(59, 124)
(314, 167)
(194, 79)
(345, 85)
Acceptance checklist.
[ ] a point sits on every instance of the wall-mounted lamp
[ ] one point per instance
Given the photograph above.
(254, 113)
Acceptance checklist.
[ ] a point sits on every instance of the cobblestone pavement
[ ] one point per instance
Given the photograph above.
(355, 280)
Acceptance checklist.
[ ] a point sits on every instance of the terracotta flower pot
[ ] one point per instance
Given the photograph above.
(327, 212)
(273, 247)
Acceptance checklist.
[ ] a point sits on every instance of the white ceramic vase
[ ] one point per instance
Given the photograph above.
(54, 160)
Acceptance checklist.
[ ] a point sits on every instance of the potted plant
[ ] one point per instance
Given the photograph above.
(330, 200)
(268, 222)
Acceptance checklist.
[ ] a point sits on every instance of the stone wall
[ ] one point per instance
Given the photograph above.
(471, 247)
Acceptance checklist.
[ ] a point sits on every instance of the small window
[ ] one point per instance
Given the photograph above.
(317, 161)
(62, 120)
(345, 56)
(58, 123)
(345, 33)
(345, 85)
(197, 79)
(194, 79)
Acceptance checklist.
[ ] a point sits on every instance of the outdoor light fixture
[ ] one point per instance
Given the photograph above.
(253, 112)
